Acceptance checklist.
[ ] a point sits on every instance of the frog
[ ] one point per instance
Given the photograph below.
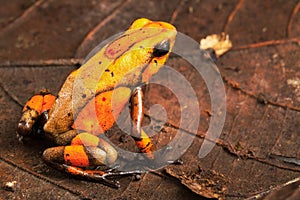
(92, 98)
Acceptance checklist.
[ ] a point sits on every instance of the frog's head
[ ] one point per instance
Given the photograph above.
(142, 49)
(158, 41)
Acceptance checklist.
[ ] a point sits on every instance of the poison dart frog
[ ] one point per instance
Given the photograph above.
(103, 85)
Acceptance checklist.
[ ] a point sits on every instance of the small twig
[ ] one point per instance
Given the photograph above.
(140, 183)
(19, 20)
(11, 95)
(90, 35)
(294, 12)
(263, 193)
(230, 149)
(264, 161)
(231, 16)
(42, 63)
(291, 160)
(267, 43)
(236, 86)
(154, 191)
(176, 11)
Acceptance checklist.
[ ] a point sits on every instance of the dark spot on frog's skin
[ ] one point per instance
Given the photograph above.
(155, 61)
(83, 96)
(141, 47)
(100, 62)
(67, 155)
(77, 65)
(69, 114)
(107, 70)
(112, 74)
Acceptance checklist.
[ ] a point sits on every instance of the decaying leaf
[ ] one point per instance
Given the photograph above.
(288, 190)
(207, 183)
(219, 42)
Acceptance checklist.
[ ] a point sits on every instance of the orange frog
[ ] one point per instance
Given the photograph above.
(92, 98)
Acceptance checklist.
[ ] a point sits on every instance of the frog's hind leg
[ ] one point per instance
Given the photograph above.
(74, 160)
(35, 114)
(85, 151)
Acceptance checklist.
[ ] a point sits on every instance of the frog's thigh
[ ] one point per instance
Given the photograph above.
(85, 150)
(98, 150)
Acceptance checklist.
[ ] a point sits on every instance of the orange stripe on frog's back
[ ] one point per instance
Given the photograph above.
(101, 112)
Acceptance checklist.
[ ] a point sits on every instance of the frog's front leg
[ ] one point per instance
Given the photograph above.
(86, 151)
(142, 140)
(35, 114)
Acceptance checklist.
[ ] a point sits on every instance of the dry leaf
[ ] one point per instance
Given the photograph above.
(206, 183)
(219, 42)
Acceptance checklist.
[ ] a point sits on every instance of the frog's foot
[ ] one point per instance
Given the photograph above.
(102, 176)
(98, 175)
(35, 114)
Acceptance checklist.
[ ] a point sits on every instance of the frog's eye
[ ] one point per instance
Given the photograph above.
(161, 49)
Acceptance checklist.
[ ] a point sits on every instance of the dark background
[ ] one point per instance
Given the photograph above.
(259, 146)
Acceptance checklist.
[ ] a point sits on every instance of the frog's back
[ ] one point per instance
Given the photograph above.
(125, 62)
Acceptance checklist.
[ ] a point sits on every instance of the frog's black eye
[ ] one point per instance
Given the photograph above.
(161, 49)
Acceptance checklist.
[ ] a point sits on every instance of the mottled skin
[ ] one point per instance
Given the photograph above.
(93, 96)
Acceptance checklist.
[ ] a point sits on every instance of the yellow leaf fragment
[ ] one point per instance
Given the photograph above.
(219, 42)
